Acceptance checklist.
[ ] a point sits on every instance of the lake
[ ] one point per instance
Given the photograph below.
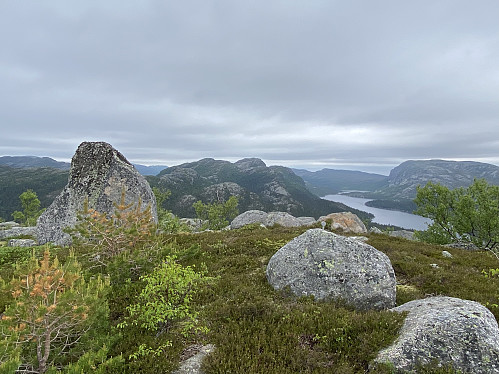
(383, 216)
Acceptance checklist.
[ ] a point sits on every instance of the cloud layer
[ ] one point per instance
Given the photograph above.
(340, 84)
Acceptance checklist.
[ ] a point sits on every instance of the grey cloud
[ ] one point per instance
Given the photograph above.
(192, 79)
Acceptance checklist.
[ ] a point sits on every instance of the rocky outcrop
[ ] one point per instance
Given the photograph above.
(463, 245)
(329, 266)
(192, 365)
(346, 222)
(266, 219)
(18, 231)
(98, 174)
(460, 333)
(283, 219)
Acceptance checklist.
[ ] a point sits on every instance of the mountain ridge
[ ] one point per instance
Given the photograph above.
(258, 186)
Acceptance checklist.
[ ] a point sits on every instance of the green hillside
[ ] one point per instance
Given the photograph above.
(46, 182)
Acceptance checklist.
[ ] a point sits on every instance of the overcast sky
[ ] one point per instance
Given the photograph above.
(349, 84)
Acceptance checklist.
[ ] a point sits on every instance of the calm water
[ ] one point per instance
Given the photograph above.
(383, 216)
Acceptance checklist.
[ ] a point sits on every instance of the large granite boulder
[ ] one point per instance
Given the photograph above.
(99, 173)
(447, 330)
(283, 219)
(330, 266)
(346, 222)
(247, 218)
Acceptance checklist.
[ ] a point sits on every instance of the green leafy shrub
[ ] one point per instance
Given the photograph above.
(31, 209)
(463, 214)
(165, 300)
(217, 215)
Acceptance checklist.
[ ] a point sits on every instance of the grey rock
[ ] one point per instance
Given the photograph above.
(329, 266)
(346, 222)
(283, 219)
(375, 230)
(307, 221)
(98, 173)
(404, 234)
(446, 254)
(452, 331)
(247, 218)
(18, 231)
(193, 364)
(435, 266)
(194, 224)
(463, 245)
(21, 243)
(8, 225)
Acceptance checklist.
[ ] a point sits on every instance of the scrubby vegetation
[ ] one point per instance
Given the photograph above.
(167, 293)
(464, 214)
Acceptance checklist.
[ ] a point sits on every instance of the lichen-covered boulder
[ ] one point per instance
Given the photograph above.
(99, 174)
(404, 234)
(247, 218)
(447, 330)
(330, 266)
(307, 221)
(346, 222)
(283, 219)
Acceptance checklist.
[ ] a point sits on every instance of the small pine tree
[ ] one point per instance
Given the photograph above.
(106, 236)
(52, 309)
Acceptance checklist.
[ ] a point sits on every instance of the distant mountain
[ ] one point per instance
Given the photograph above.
(46, 182)
(404, 179)
(331, 181)
(257, 186)
(24, 162)
(33, 162)
(149, 170)
(397, 190)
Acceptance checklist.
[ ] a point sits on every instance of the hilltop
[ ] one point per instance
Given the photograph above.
(258, 186)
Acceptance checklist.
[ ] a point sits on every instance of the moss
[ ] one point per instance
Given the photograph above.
(258, 330)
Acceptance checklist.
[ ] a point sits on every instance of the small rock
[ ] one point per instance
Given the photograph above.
(193, 365)
(446, 254)
(463, 245)
(404, 234)
(435, 266)
(375, 230)
(21, 243)
(18, 231)
(8, 225)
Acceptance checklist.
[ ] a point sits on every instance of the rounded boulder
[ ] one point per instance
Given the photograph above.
(329, 266)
